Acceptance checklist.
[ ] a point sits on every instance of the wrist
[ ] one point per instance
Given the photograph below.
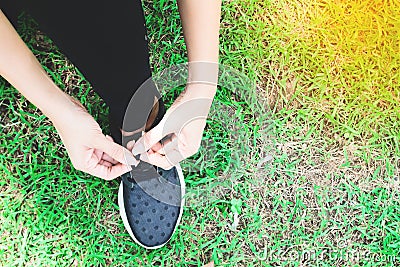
(203, 72)
(58, 105)
(198, 90)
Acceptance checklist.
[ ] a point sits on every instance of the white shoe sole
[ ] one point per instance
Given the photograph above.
(125, 219)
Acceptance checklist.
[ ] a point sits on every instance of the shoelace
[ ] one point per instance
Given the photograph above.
(131, 182)
(161, 187)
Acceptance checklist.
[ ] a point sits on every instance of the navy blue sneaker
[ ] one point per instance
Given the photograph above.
(151, 202)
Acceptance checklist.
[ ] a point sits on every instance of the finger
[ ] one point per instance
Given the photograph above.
(106, 157)
(115, 151)
(105, 163)
(158, 146)
(156, 159)
(170, 146)
(130, 145)
(98, 153)
(93, 160)
(163, 161)
(105, 170)
(151, 151)
(149, 139)
(111, 172)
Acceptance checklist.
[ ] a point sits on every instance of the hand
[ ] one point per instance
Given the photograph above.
(88, 148)
(178, 135)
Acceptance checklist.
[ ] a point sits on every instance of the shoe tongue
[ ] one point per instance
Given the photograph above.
(145, 171)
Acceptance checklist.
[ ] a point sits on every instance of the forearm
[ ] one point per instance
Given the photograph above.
(201, 23)
(20, 68)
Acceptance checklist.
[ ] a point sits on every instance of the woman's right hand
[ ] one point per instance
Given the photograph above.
(88, 148)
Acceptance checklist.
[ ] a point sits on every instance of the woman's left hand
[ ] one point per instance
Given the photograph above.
(179, 133)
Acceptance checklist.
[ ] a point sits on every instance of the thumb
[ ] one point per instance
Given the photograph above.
(116, 151)
(149, 139)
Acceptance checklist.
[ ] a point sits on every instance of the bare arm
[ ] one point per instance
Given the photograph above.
(90, 151)
(201, 23)
(186, 122)
(20, 67)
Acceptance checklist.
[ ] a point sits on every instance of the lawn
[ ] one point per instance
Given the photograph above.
(306, 165)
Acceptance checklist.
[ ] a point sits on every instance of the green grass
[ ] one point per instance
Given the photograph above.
(312, 165)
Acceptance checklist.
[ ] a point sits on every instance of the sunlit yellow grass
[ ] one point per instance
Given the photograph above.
(361, 36)
(345, 59)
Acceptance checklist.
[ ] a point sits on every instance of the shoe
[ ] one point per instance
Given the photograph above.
(151, 202)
